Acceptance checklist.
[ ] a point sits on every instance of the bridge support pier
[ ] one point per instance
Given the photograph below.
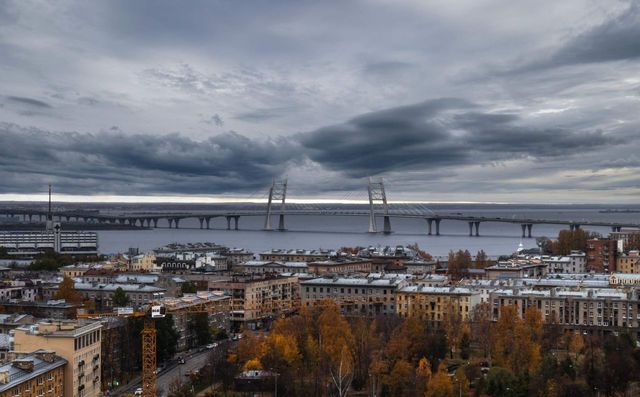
(429, 224)
(170, 223)
(281, 227)
(474, 225)
(177, 221)
(387, 225)
(201, 223)
(616, 228)
(155, 223)
(529, 227)
(438, 227)
(207, 220)
(228, 222)
(524, 229)
(574, 226)
(236, 222)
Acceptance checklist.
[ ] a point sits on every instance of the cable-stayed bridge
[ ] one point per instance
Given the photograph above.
(378, 209)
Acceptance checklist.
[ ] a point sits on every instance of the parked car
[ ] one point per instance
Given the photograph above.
(138, 392)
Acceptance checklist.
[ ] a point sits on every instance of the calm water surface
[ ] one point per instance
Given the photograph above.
(313, 232)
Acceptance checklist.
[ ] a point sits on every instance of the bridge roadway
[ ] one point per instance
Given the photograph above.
(151, 219)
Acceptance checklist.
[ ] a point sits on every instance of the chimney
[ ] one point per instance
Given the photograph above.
(4, 377)
(23, 364)
(46, 355)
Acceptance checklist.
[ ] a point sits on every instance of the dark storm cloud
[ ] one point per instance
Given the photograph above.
(113, 162)
(29, 101)
(437, 133)
(616, 39)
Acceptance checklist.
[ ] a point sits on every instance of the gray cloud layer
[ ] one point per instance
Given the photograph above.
(432, 135)
(510, 101)
(112, 162)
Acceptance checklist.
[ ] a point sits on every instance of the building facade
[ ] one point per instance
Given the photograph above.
(628, 262)
(259, 298)
(371, 296)
(435, 304)
(78, 342)
(601, 255)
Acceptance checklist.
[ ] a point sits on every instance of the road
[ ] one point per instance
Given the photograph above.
(178, 372)
(174, 371)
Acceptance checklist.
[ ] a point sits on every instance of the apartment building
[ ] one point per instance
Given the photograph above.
(102, 294)
(35, 374)
(628, 262)
(586, 309)
(434, 304)
(214, 303)
(341, 266)
(258, 298)
(261, 267)
(78, 342)
(601, 255)
(372, 295)
(296, 255)
(516, 268)
(143, 263)
(576, 262)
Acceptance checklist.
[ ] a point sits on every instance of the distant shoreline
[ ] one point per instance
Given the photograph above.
(36, 226)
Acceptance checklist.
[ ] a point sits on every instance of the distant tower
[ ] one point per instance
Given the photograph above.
(378, 198)
(277, 192)
(49, 213)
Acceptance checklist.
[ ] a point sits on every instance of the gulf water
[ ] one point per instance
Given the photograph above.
(332, 232)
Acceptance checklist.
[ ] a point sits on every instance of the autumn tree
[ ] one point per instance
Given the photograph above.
(423, 376)
(460, 383)
(482, 260)
(440, 385)
(481, 327)
(454, 325)
(459, 264)
(569, 240)
(366, 341)
(67, 291)
(421, 254)
(336, 341)
(513, 344)
(401, 379)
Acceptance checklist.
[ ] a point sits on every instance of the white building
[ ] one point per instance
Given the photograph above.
(574, 263)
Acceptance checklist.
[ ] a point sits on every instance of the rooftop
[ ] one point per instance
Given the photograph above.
(42, 361)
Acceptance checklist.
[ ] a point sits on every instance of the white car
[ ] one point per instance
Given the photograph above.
(138, 392)
(211, 345)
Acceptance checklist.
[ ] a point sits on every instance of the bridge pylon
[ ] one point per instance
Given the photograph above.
(378, 199)
(277, 194)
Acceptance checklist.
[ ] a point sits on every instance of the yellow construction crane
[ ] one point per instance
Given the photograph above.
(148, 341)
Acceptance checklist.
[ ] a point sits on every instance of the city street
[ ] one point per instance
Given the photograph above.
(174, 371)
(172, 374)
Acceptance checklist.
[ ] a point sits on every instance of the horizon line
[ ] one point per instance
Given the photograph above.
(117, 199)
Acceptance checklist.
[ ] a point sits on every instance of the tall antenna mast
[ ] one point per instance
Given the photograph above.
(49, 216)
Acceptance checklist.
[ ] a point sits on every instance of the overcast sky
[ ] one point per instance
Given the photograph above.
(479, 100)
